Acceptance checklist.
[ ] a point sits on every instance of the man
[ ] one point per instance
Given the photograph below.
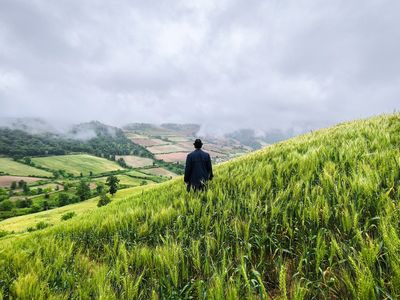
(198, 168)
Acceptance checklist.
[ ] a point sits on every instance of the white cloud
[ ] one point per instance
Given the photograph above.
(225, 64)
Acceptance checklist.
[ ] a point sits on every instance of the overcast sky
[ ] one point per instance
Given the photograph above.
(225, 64)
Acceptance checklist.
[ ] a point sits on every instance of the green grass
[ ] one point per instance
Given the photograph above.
(75, 164)
(53, 216)
(316, 217)
(11, 167)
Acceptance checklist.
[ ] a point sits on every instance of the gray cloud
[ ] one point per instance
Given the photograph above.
(225, 64)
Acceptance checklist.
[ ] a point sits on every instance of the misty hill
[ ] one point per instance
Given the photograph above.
(312, 217)
(93, 137)
(172, 128)
(29, 125)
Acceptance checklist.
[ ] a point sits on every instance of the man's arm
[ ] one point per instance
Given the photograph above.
(209, 168)
(188, 170)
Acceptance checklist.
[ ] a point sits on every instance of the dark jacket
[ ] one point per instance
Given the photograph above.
(198, 168)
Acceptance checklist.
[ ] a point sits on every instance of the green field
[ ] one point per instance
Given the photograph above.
(315, 217)
(75, 164)
(127, 180)
(11, 167)
(53, 216)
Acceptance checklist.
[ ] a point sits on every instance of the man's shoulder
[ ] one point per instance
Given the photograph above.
(198, 153)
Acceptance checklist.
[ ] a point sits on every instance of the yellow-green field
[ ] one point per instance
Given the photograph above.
(53, 216)
(8, 166)
(75, 164)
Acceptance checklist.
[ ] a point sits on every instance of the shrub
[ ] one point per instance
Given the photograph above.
(41, 225)
(63, 199)
(23, 203)
(6, 205)
(68, 215)
(104, 200)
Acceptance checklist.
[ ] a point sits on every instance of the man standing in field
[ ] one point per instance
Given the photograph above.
(198, 168)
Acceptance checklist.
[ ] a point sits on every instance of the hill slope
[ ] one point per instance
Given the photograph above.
(316, 216)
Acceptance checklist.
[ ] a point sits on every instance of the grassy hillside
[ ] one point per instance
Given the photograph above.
(11, 167)
(314, 217)
(75, 164)
(52, 217)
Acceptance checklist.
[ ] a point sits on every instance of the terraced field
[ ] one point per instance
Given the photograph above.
(75, 164)
(11, 167)
(5, 181)
(136, 161)
(159, 172)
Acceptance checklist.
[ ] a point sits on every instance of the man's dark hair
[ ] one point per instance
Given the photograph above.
(198, 144)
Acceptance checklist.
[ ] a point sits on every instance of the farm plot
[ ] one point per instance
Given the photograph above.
(178, 139)
(173, 157)
(127, 180)
(11, 167)
(166, 149)
(5, 181)
(160, 172)
(149, 142)
(137, 174)
(75, 164)
(136, 161)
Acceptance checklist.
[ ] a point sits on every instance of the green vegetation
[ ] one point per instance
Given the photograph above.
(104, 200)
(68, 216)
(314, 217)
(11, 167)
(77, 164)
(94, 137)
(112, 182)
(22, 223)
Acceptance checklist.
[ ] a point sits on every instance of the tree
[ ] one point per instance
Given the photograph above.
(23, 203)
(45, 205)
(104, 200)
(26, 189)
(99, 188)
(6, 205)
(13, 185)
(63, 199)
(112, 182)
(21, 184)
(3, 194)
(83, 190)
(122, 162)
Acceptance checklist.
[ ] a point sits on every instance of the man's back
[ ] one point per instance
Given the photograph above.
(198, 168)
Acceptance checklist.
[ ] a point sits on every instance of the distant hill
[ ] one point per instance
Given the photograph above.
(93, 137)
(314, 217)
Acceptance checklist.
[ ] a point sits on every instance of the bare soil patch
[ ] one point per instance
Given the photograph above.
(5, 181)
(173, 157)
